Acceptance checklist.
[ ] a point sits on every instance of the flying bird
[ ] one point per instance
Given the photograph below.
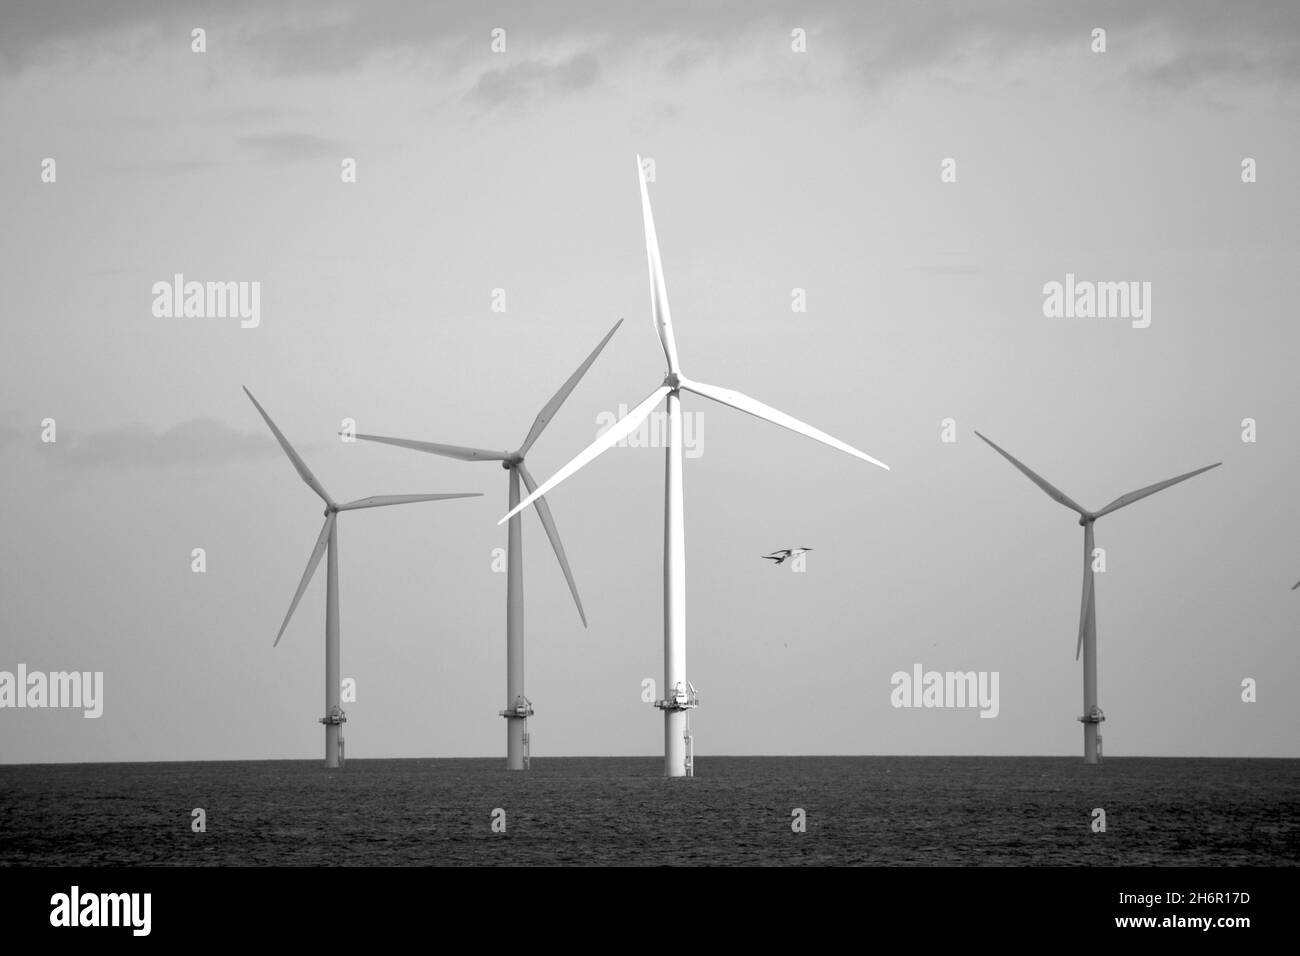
(779, 556)
(680, 695)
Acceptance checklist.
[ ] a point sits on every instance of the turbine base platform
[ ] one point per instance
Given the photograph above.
(521, 711)
(680, 700)
(337, 717)
(1095, 717)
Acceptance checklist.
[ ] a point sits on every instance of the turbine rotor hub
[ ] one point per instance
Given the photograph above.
(673, 380)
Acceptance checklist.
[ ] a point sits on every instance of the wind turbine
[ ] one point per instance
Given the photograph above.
(1087, 643)
(680, 695)
(328, 540)
(518, 707)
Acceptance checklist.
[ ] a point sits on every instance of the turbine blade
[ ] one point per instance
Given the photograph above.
(464, 453)
(766, 412)
(303, 471)
(1052, 491)
(1296, 585)
(548, 522)
(1088, 603)
(321, 544)
(548, 412)
(1141, 493)
(379, 501)
(663, 319)
(611, 437)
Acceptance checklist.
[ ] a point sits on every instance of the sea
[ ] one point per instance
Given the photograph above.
(736, 811)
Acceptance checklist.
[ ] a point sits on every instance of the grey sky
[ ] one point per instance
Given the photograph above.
(775, 170)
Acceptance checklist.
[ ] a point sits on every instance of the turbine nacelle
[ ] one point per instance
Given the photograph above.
(513, 461)
(674, 382)
(332, 508)
(1088, 605)
(679, 701)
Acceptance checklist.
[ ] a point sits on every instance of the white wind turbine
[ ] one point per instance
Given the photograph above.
(518, 707)
(1087, 643)
(680, 695)
(334, 717)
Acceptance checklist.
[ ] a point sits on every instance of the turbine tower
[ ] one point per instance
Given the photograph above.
(679, 694)
(1087, 643)
(328, 540)
(518, 707)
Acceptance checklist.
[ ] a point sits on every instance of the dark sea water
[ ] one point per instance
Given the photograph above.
(737, 810)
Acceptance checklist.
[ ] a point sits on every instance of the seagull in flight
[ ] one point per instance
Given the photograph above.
(780, 556)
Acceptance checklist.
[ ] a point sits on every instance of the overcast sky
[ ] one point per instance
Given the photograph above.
(775, 170)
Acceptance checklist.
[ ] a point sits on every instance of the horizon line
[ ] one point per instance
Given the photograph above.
(1071, 756)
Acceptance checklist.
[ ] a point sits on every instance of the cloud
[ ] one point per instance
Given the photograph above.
(1247, 41)
(1201, 64)
(1176, 42)
(520, 81)
(194, 443)
(290, 147)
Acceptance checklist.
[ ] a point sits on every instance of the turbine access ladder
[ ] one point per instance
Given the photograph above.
(686, 700)
(337, 716)
(523, 709)
(1095, 716)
